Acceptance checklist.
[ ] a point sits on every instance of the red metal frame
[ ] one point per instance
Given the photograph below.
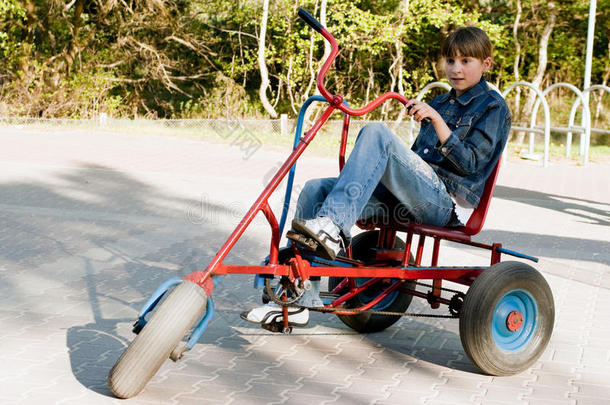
(386, 258)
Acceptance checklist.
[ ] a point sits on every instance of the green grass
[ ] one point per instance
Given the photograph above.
(557, 152)
(326, 143)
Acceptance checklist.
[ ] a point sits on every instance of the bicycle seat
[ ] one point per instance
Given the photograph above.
(462, 233)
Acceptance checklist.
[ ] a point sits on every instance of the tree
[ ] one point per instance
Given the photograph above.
(208, 58)
(542, 62)
(261, 62)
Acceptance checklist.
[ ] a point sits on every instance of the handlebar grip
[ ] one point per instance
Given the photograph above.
(310, 19)
(424, 121)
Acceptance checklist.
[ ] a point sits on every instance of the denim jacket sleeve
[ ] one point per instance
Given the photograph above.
(472, 143)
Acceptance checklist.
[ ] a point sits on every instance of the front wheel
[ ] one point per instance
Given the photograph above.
(153, 345)
(507, 318)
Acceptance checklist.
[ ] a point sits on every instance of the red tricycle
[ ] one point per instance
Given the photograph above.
(505, 318)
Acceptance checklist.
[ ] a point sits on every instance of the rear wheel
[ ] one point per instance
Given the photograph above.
(507, 318)
(156, 341)
(363, 246)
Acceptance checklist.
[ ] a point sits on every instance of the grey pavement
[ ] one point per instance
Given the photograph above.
(92, 223)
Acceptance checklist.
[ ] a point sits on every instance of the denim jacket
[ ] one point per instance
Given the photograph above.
(480, 122)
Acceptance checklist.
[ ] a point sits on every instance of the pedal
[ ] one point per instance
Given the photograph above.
(265, 298)
(277, 327)
(304, 241)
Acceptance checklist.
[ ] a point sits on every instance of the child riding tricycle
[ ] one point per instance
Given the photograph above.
(440, 189)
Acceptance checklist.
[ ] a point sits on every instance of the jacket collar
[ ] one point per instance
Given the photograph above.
(464, 99)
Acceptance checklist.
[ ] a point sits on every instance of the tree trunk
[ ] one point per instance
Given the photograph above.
(517, 57)
(323, 22)
(314, 111)
(599, 107)
(261, 62)
(31, 21)
(403, 10)
(76, 24)
(542, 61)
(370, 82)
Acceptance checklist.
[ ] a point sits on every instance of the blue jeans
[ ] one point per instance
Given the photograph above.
(382, 180)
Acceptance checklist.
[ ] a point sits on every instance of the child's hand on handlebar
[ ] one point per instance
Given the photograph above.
(420, 111)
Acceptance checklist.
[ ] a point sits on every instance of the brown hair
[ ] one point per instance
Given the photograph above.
(467, 41)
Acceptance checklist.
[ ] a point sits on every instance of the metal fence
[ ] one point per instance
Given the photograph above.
(248, 133)
(224, 128)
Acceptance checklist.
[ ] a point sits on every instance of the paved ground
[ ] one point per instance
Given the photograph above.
(92, 223)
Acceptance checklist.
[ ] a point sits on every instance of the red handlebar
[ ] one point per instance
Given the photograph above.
(337, 100)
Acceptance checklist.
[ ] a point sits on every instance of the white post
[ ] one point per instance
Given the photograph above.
(547, 116)
(584, 141)
(284, 124)
(103, 120)
(585, 111)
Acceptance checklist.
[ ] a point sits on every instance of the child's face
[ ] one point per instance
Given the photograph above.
(464, 72)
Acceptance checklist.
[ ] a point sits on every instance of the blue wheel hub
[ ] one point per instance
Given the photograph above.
(514, 320)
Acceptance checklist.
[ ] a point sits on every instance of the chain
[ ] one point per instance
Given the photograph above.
(356, 311)
(439, 288)
(372, 312)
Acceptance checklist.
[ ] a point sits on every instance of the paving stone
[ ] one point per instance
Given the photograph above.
(189, 400)
(85, 244)
(548, 393)
(568, 355)
(580, 400)
(546, 401)
(282, 376)
(590, 390)
(334, 374)
(363, 386)
(178, 382)
(388, 402)
(247, 398)
(214, 391)
(510, 395)
(446, 393)
(347, 398)
(553, 380)
(596, 356)
(594, 377)
(313, 385)
(464, 383)
(379, 374)
(306, 398)
(417, 384)
(263, 391)
(557, 367)
(303, 367)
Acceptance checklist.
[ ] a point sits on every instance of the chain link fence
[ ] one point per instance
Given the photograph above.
(282, 126)
(248, 134)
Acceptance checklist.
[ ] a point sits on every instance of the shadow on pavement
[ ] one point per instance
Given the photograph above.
(97, 242)
(561, 247)
(567, 205)
(111, 239)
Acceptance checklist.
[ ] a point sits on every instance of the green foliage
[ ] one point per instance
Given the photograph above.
(11, 12)
(199, 58)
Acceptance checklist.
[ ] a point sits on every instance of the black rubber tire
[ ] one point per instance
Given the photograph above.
(362, 249)
(476, 318)
(152, 346)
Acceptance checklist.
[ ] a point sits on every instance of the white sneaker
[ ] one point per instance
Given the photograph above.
(320, 232)
(272, 313)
